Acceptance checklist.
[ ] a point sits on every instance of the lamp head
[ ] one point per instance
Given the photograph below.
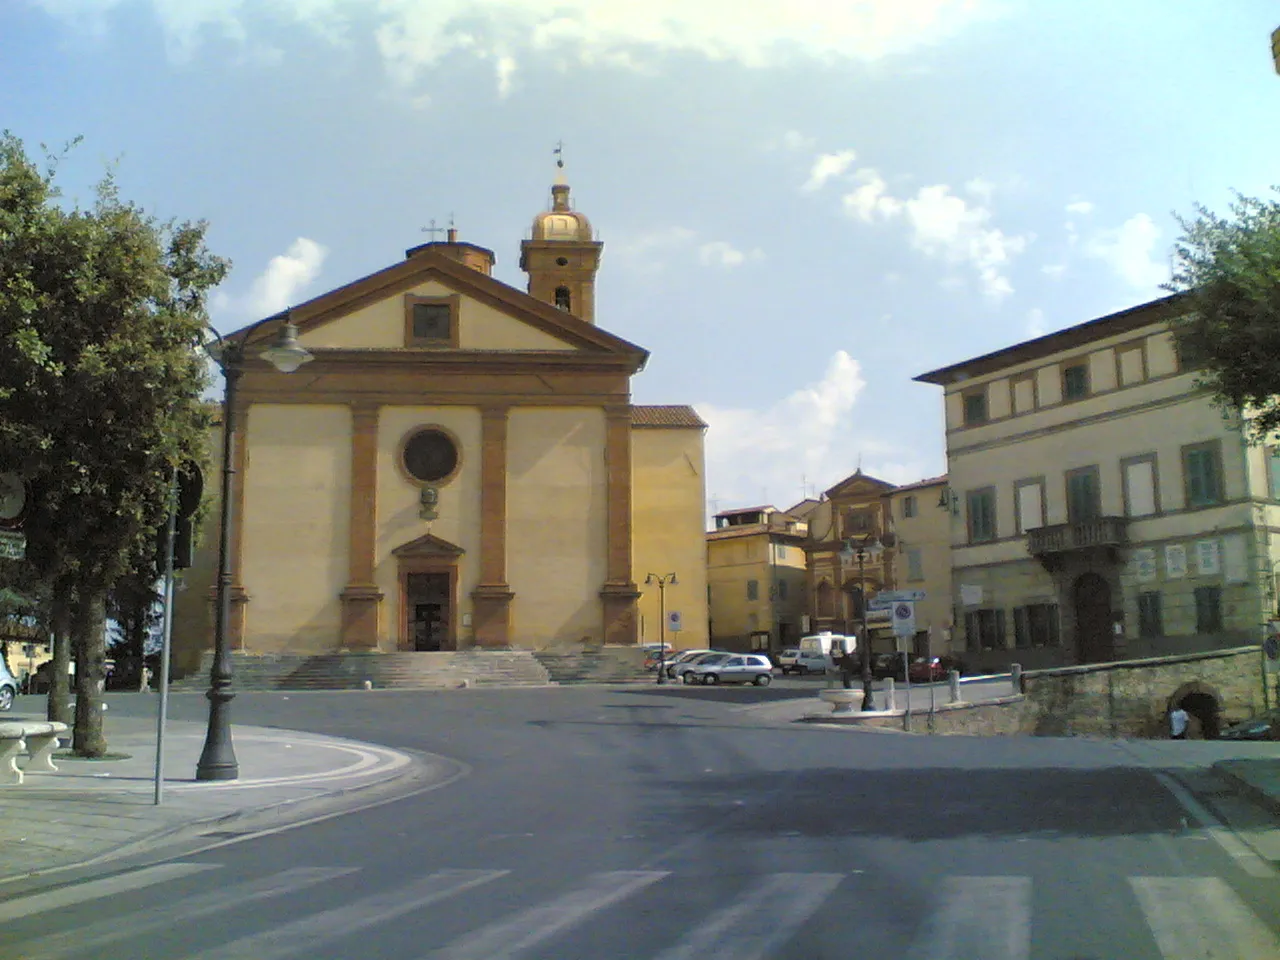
(287, 354)
(648, 578)
(671, 579)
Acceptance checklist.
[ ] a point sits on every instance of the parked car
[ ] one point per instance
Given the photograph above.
(886, 665)
(789, 661)
(680, 670)
(1255, 728)
(684, 656)
(734, 668)
(654, 654)
(8, 686)
(927, 670)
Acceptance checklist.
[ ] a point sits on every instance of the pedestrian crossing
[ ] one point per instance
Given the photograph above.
(967, 917)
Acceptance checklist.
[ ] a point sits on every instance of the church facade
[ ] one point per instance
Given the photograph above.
(460, 466)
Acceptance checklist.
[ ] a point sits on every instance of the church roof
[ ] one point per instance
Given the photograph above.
(430, 264)
(669, 416)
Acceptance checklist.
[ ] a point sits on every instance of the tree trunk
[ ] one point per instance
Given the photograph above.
(89, 640)
(59, 705)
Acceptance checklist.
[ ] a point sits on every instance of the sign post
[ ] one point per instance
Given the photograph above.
(674, 622)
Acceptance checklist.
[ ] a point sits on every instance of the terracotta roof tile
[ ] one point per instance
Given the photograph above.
(670, 415)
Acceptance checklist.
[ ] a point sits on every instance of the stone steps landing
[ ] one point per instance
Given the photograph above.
(595, 665)
(400, 670)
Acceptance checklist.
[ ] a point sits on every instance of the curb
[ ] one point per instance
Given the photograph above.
(1247, 786)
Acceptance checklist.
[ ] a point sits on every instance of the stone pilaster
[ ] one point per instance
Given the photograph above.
(491, 599)
(619, 594)
(361, 598)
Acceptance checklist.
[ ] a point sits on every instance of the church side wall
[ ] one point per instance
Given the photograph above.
(399, 519)
(668, 516)
(557, 514)
(296, 521)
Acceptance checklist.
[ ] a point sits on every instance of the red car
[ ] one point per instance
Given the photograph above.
(927, 670)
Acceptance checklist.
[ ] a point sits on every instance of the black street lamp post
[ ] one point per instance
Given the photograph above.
(867, 547)
(662, 581)
(218, 758)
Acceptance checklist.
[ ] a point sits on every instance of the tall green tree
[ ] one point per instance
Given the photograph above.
(101, 312)
(1228, 269)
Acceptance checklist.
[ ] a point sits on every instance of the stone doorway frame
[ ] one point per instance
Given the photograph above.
(427, 554)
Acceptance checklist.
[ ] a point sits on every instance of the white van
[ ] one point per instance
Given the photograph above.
(815, 651)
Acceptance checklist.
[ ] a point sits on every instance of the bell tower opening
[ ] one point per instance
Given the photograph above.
(562, 256)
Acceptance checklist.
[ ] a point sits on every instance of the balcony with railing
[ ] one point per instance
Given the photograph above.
(1057, 539)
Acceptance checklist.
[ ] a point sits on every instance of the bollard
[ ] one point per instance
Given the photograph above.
(890, 702)
(954, 679)
(1015, 678)
(368, 685)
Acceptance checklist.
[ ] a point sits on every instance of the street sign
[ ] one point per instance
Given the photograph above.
(13, 545)
(674, 621)
(904, 618)
(910, 596)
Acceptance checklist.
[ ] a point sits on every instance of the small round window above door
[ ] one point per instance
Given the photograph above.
(430, 455)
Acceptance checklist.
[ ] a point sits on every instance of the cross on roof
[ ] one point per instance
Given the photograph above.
(431, 230)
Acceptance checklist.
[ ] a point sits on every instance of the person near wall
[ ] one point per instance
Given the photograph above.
(1178, 721)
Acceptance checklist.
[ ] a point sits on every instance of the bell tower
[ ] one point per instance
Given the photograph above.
(562, 256)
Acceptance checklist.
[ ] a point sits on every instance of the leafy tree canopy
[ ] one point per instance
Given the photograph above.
(1228, 268)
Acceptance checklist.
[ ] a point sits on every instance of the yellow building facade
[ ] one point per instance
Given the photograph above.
(460, 465)
(920, 514)
(756, 579)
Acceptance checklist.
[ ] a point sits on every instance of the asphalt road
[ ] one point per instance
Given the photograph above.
(674, 822)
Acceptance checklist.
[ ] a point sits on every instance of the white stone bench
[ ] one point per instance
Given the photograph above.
(38, 737)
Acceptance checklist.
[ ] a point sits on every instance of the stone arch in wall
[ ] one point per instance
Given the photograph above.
(1204, 705)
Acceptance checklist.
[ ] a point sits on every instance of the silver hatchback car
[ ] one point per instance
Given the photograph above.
(736, 668)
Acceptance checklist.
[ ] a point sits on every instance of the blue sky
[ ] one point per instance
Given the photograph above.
(804, 204)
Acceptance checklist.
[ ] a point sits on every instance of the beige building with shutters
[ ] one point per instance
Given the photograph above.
(1103, 506)
(921, 521)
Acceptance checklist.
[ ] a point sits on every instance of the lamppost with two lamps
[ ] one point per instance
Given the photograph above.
(218, 758)
(662, 580)
(864, 548)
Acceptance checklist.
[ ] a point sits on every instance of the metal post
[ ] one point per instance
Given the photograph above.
(954, 680)
(165, 637)
(867, 702)
(218, 759)
(662, 630)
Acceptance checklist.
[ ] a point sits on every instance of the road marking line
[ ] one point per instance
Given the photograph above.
(94, 936)
(507, 938)
(759, 921)
(979, 918)
(305, 934)
(96, 889)
(1200, 918)
(1246, 859)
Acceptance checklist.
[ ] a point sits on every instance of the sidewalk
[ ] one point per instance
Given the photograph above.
(91, 809)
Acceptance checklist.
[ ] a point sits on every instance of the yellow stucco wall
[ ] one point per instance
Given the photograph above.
(667, 496)
(296, 508)
(381, 324)
(399, 522)
(556, 521)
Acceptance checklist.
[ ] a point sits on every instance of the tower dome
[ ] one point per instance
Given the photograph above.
(561, 222)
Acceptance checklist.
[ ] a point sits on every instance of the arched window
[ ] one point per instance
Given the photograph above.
(562, 298)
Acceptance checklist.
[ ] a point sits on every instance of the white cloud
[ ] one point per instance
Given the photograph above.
(870, 198)
(506, 68)
(982, 189)
(793, 140)
(1054, 271)
(828, 165)
(657, 249)
(1080, 208)
(723, 254)
(1035, 323)
(1129, 250)
(286, 276)
(414, 35)
(764, 453)
(947, 226)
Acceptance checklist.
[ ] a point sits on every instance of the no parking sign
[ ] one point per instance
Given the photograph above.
(904, 618)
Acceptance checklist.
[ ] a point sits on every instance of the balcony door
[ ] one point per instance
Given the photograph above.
(1084, 498)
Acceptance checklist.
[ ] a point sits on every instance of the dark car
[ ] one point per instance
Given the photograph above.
(1255, 728)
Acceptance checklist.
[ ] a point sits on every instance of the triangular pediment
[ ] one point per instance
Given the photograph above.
(859, 484)
(427, 545)
(369, 312)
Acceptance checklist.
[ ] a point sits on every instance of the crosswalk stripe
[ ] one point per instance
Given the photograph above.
(758, 921)
(307, 933)
(979, 918)
(507, 938)
(96, 889)
(145, 922)
(1200, 918)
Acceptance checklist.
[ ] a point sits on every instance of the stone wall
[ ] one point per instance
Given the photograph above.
(1131, 698)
